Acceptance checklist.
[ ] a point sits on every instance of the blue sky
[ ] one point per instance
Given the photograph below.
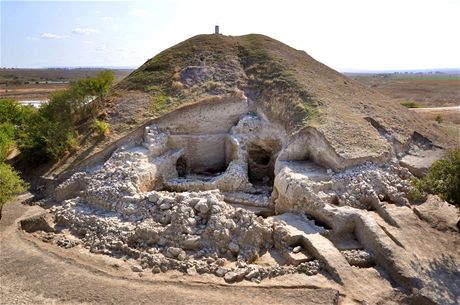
(353, 34)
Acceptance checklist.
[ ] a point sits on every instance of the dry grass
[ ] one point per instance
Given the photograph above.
(451, 116)
(30, 91)
(422, 91)
(427, 91)
(39, 84)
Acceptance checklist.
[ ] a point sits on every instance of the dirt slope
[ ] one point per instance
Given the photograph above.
(286, 85)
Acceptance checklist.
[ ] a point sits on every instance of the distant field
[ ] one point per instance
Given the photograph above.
(38, 84)
(426, 90)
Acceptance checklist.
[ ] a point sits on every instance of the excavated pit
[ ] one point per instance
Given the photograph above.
(226, 203)
(308, 179)
(204, 173)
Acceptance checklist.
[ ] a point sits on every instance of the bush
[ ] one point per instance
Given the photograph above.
(10, 184)
(443, 178)
(438, 119)
(50, 132)
(80, 101)
(102, 128)
(9, 111)
(14, 113)
(6, 140)
(44, 139)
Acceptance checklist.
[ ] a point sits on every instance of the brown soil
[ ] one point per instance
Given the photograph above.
(30, 84)
(30, 92)
(34, 272)
(443, 114)
(447, 118)
(432, 92)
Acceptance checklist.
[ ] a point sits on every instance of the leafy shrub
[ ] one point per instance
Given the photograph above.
(80, 101)
(438, 119)
(10, 184)
(9, 111)
(44, 139)
(443, 179)
(12, 116)
(6, 139)
(102, 128)
(50, 132)
(14, 113)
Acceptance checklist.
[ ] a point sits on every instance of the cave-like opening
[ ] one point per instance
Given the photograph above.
(181, 167)
(261, 165)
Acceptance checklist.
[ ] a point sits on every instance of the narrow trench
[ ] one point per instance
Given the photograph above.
(261, 166)
(320, 223)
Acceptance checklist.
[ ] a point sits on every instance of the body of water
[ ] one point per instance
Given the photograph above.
(35, 103)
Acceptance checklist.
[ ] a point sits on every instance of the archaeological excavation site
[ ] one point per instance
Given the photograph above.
(239, 161)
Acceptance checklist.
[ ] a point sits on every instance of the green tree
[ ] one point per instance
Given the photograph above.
(9, 111)
(14, 113)
(53, 130)
(10, 184)
(44, 139)
(7, 133)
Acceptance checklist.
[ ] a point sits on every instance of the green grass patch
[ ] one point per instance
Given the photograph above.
(411, 104)
(163, 103)
(102, 128)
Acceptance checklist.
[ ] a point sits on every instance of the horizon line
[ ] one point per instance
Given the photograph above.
(343, 70)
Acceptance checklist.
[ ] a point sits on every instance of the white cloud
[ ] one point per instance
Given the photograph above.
(101, 48)
(84, 31)
(107, 18)
(140, 13)
(53, 36)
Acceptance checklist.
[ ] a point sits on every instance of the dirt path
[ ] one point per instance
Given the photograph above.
(437, 109)
(33, 272)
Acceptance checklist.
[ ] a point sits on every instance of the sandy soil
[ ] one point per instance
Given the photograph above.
(444, 114)
(34, 272)
(31, 92)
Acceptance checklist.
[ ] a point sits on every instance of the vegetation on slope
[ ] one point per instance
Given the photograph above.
(443, 179)
(226, 64)
(47, 133)
(274, 82)
(54, 130)
(10, 184)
